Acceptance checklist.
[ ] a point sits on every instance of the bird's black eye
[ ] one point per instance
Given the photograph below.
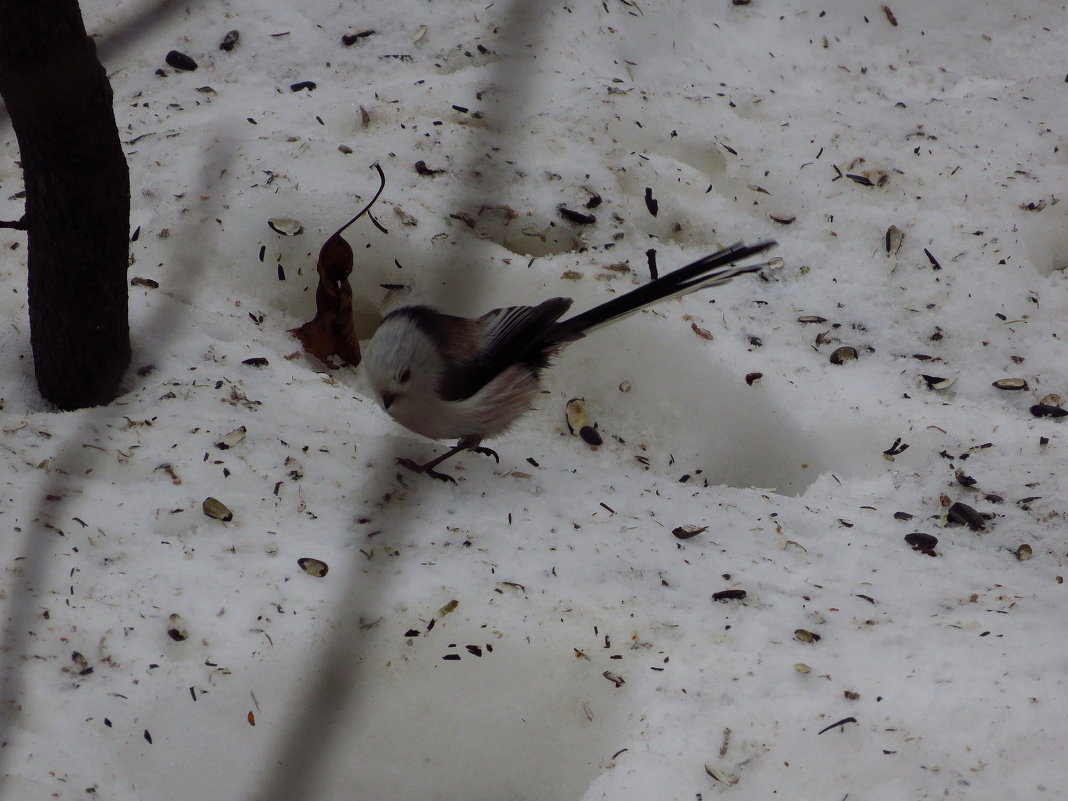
(404, 375)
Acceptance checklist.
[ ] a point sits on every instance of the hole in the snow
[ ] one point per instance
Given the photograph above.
(525, 234)
(1045, 236)
(688, 408)
(525, 721)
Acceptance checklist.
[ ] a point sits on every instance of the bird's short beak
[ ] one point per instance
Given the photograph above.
(387, 399)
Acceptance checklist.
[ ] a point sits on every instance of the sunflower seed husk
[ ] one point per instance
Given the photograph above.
(448, 608)
(924, 543)
(294, 469)
(719, 775)
(285, 226)
(576, 415)
(1045, 410)
(729, 595)
(215, 508)
(176, 628)
(231, 439)
(1010, 384)
(615, 678)
(1024, 552)
(937, 382)
(312, 566)
(685, 532)
(591, 436)
(894, 237)
(965, 515)
(230, 40)
(180, 61)
(844, 354)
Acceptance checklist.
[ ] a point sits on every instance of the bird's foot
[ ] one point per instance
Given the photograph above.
(425, 468)
(488, 452)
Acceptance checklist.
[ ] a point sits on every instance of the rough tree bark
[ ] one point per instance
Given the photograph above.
(77, 200)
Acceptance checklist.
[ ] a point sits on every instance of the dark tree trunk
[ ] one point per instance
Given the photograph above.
(77, 200)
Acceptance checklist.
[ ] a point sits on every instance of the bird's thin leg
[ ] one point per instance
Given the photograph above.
(465, 444)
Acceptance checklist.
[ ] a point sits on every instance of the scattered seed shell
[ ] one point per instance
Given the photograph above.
(576, 217)
(448, 608)
(422, 168)
(577, 417)
(231, 439)
(313, 567)
(615, 678)
(811, 318)
(650, 202)
(229, 40)
(965, 515)
(1052, 399)
(215, 508)
(924, 543)
(686, 532)
(729, 595)
(591, 436)
(176, 628)
(937, 382)
(81, 663)
(804, 635)
(894, 237)
(285, 226)
(1024, 552)
(180, 61)
(1045, 410)
(712, 770)
(844, 354)
(294, 469)
(1010, 384)
(801, 667)
(350, 39)
(704, 333)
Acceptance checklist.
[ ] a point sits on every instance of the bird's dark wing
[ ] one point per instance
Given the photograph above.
(512, 335)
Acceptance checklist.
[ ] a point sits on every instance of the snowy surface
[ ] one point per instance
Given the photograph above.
(458, 647)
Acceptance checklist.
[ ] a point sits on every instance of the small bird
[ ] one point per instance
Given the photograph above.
(449, 377)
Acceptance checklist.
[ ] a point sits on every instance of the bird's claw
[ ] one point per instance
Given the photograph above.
(422, 468)
(488, 452)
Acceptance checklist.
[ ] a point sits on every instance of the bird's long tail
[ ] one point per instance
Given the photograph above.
(712, 270)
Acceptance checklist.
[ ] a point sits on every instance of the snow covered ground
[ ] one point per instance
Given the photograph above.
(536, 631)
